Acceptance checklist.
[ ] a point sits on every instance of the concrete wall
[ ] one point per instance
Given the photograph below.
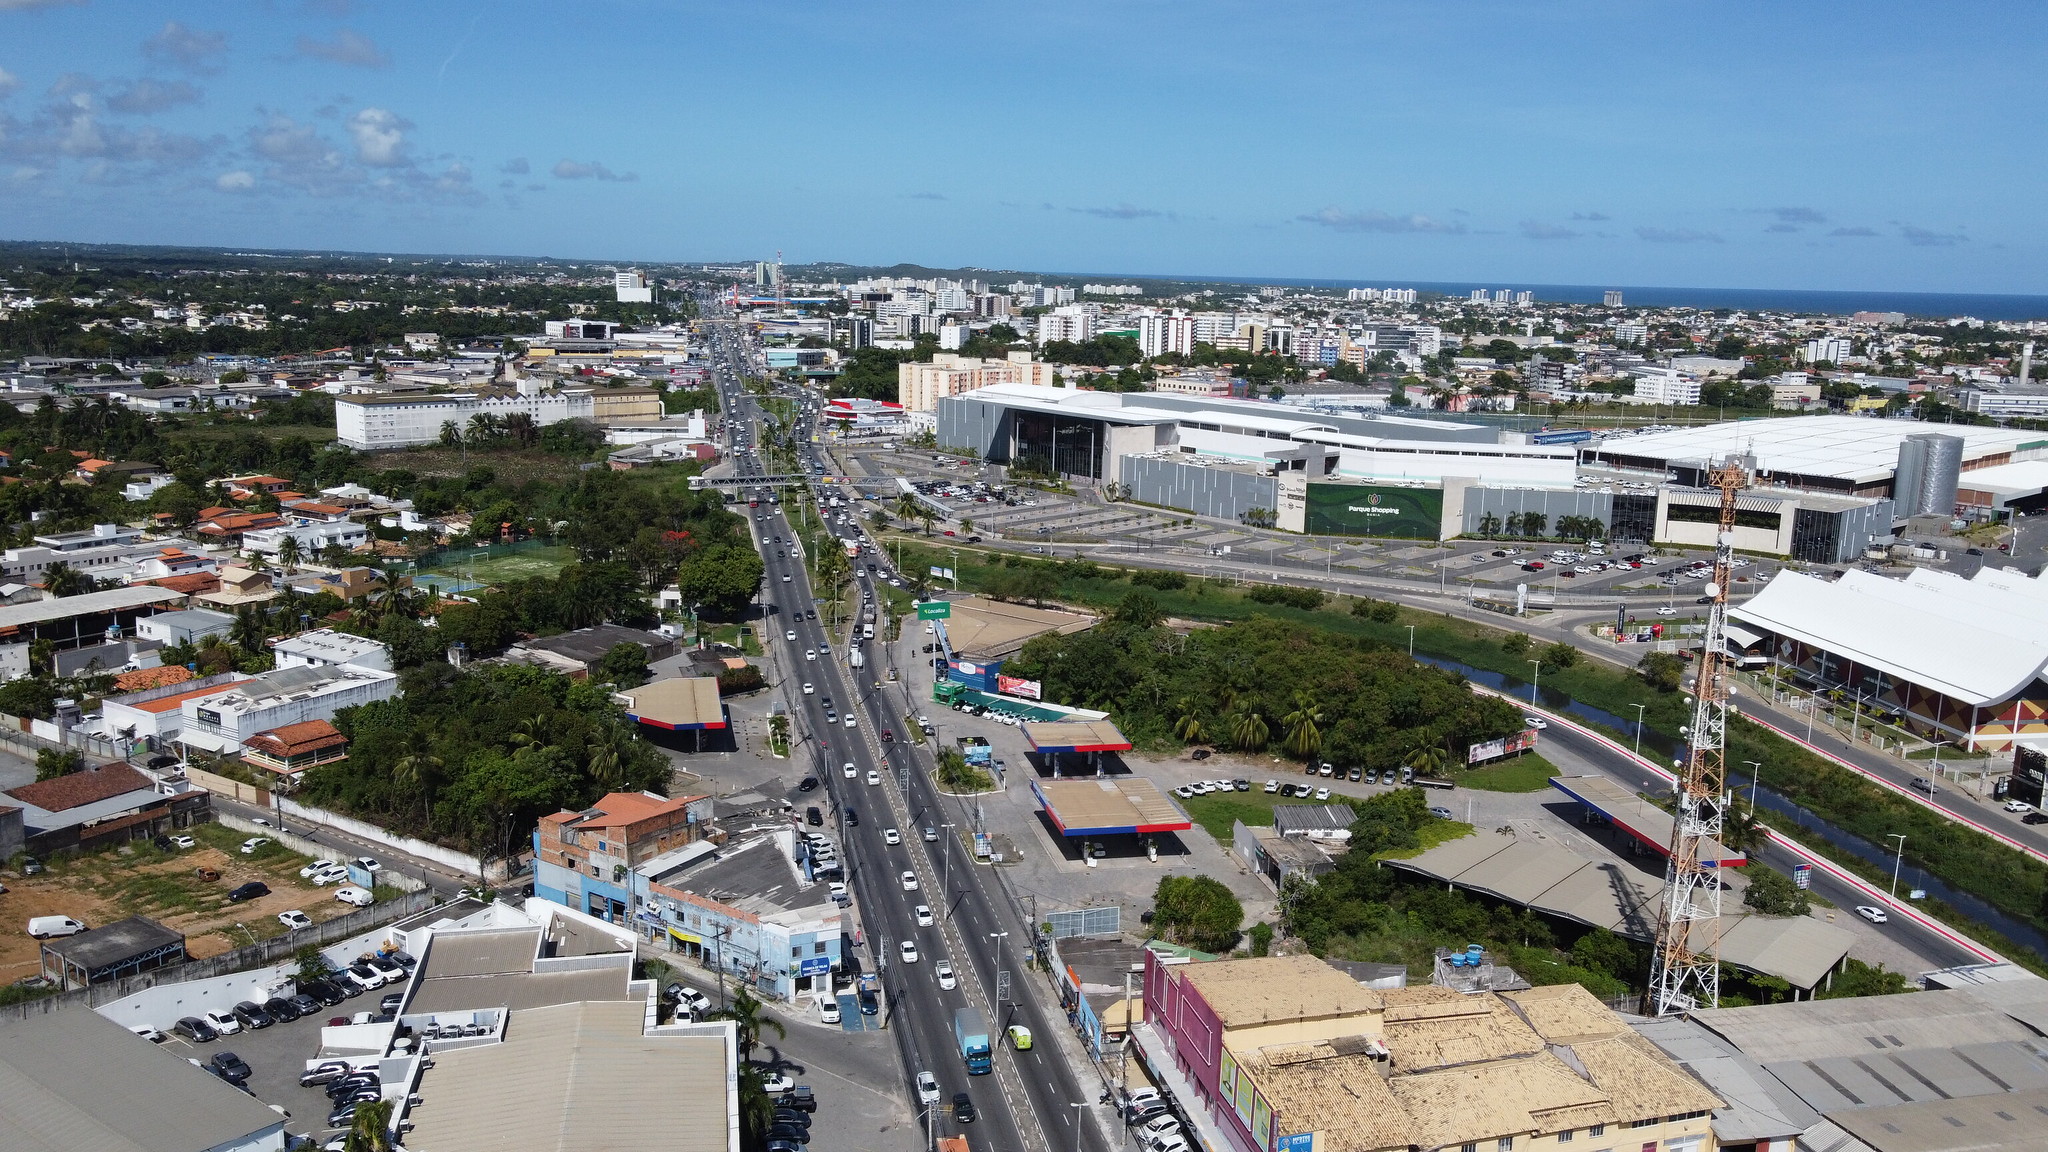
(222, 786)
(389, 878)
(1220, 492)
(1551, 502)
(446, 857)
(965, 423)
(160, 1007)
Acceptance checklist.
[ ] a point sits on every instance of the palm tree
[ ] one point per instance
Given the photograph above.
(371, 1131)
(483, 427)
(521, 427)
(1304, 725)
(1489, 525)
(1514, 523)
(1741, 829)
(1427, 759)
(249, 631)
(907, 507)
(410, 770)
(748, 1022)
(451, 435)
(1248, 730)
(288, 554)
(757, 1108)
(61, 579)
(1189, 726)
(608, 758)
(531, 732)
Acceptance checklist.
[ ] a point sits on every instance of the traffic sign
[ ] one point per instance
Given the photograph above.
(934, 610)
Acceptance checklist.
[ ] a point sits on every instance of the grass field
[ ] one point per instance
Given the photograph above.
(1528, 772)
(513, 466)
(544, 561)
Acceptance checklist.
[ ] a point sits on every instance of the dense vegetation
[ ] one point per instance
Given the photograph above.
(476, 757)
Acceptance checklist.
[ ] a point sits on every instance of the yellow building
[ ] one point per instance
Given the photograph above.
(609, 405)
(920, 385)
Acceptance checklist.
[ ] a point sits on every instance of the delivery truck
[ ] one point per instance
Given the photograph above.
(970, 1031)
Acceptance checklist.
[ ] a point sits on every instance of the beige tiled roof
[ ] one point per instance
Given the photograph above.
(1465, 1030)
(1489, 1100)
(1343, 1096)
(1247, 992)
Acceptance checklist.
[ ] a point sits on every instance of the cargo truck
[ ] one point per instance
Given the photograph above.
(970, 1031)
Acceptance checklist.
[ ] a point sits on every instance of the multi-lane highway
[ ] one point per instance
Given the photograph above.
(838, 727)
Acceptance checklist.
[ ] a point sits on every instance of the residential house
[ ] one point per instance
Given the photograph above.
(98, 805)
(171, 560)
(293, 748)
(229, 526)
(348, 583)
(239, 586)
(582, 859)
(326, 648)
(188, 626)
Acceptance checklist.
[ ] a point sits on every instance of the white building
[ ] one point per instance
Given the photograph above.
(371, 422)
(1069, 322)
(1631, 333)
(632, 287)
(326, 648)
(1160, 334)
(1655, 385)
(188, 626)
(313, 536)
(272, 700)
(1833, 349)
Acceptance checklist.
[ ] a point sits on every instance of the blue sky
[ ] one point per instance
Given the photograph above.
(1810, 145)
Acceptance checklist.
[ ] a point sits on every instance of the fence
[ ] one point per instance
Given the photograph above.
(387, 877)
(1106, 921)
(28, 737)
(264, 952)
(222, 786)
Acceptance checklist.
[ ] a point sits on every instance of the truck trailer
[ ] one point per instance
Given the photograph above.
(970, 1031)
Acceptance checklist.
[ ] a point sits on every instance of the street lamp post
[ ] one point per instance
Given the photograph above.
(1077, 1125)
(1411, 641)
(1897, 861)
(1756, 769)
(1535, 680)
(1002, 975)
(946, 866)
(1639, 733)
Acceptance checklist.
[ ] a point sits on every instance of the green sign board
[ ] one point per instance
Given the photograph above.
(1375, 510)
(934, 610)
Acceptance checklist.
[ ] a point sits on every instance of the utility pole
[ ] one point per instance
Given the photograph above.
(1684, 977)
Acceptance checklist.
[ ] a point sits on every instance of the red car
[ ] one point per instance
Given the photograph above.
(888, 735)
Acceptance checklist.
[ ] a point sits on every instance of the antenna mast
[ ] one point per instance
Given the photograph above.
(1685, 967)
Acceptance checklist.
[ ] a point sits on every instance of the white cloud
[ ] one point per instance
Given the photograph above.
(574, 170)
(379, 136)
(1338, 220)
(236, 181)
(143, 97)
(194, 48)
(347, 47)
(8, 82)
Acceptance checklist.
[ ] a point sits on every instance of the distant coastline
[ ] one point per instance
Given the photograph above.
(1929, 305)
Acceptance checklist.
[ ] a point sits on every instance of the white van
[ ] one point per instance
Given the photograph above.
(44, 927)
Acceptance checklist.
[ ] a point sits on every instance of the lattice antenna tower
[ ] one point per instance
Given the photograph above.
(1685, 967)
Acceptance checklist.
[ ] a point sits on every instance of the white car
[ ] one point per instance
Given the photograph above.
(909, 881)
(334, 874)
(1272, 786)
(1535, 722)
(350, 894)
(789, 635)
(810, 654)
(2018, 806)
(777, 1084)
(927, 1089)
(944, 971)
(1666, 610)
(306, 873)
(294, 920)
(891, 837)
(367, 864)
(807, 690)
(785, 577)
(182, 841)
(1871, 913)
(828, 1009)
(924, 915)
(222, 1022)
(250, 845)
(874, 778)
(908, 950)
(1322, 793)
(850, 770)
(849, 720)
(147, 1033)
(835, 889)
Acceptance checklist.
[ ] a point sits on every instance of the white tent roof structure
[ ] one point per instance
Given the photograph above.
(1977, 641)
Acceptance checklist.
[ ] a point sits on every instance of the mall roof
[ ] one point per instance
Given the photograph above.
(1972, 640)
(678, 703)
(1076, 736)
(1608, 894)
(1107, 807)
(1644, 821)
(2009, 1122)
(1853, 448)
(577, 1077)
(72, 1081)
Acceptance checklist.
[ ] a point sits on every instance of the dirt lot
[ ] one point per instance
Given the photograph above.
(103, 887)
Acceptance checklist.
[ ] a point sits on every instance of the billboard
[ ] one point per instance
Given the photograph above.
(1522, 741)
(934, 610)
(942, 573)
(1374, 510)
(1018, 686)
(981, 677)
(1562, 436)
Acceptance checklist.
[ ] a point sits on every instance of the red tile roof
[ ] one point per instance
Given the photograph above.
(294, 739)
(170, 703)
(191, 584)
(143, 678)
(80, 788)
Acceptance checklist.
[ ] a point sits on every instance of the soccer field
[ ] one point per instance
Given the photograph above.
(487, 570)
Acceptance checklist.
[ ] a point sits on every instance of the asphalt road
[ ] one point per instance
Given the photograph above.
(1029, 1101)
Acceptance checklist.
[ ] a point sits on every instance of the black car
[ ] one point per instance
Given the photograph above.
(351, 1084)
(231, 1068)
(814, 818)
(324, 990)
(789, 1132)
(852, 817)
(403, 959)
(281, 1009)
(252, 1015)
(963, 1108)
(196, 1030)
(808, 784)
(2035, 818)
(869, 1006)
(249, 891)
(788, 1115)
(162, 842)
(342, 1117)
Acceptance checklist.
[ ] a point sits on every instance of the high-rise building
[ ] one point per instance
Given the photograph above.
(952, 300)
(1159, 334)
(1524, 299)
(994, 305)
(632, 288)
(1502, 296)
(1631, 333)
(1068, 322)
(767, 274)
(1611, 298)
(1479, 295)
(1833, 349)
